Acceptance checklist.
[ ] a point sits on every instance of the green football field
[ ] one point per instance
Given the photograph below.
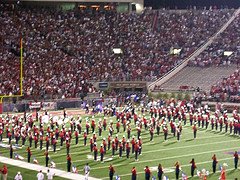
(208, 142)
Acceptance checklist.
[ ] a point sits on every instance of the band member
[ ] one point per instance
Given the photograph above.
(111, 172)
(147, 173)
(102, 151)
(11, 151)
(160, 172)
(165, 131)
(69, 163)
(214, 163)
(177, 170)
(46, 158)
(128, 149)
(193, 167)
(194, 131)
(95, 151)
(134, 173)
(76, 137)
(236, 157)
(29, 154)
(136, 150)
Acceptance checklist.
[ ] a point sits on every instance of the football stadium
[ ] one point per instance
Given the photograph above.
(120, 89)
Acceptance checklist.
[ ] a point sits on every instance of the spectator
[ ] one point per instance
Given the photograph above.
(86, 171)
(40, 175)
(4, 172)
(50, 175)
(67, 49)
(18, 176)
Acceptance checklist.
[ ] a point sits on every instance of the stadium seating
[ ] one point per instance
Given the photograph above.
(63, 51)
(213, 66)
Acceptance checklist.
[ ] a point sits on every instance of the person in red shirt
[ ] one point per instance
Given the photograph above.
(194, 131)
(29, 154)
(133, 144)
(193, 166)
(160, 172)
(113, 148)
(136, 150)
(76, 137)
(69, 163)
(111, 172)
(177, 169)
(102, 151)
(223, 172)
(35, 140)
(95, 151)
(118, 126)
(147, 173)
(134, 174)
(54, 142)
(68, 147)
(4, 172)
(214, 163)
(128, 149)
(46, 158)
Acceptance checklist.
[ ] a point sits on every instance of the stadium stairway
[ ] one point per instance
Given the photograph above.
(36, 167)
(183, 67)
(197, 77)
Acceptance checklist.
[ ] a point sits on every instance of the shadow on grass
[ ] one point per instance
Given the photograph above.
(168, 144)
(188, 140)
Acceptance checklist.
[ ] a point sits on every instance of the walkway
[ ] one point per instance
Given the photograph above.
(36, 167)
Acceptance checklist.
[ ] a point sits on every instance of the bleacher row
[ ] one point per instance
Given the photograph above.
(64, 51)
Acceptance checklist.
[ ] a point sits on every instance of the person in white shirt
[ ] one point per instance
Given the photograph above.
(18, 176)
(40, 175)
(86, 169)
(50, 175)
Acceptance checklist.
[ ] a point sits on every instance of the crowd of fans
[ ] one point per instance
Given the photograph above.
(227, 89)
(226, 41)
(63, 51)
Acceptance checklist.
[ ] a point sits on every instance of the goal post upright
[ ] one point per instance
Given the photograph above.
(20, 80)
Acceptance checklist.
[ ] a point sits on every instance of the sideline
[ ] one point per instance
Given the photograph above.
(36, 167)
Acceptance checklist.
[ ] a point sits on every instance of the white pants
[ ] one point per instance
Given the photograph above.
(86, 175)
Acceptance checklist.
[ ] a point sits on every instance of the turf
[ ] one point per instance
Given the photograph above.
(26, 173)
(208, 142)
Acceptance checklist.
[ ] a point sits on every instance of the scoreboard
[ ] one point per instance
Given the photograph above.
(131, 5)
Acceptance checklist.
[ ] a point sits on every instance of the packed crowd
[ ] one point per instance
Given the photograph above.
(227, 89)
(226, 41)
(63, 51)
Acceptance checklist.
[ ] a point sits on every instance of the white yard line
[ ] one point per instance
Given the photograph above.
(172, 157)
